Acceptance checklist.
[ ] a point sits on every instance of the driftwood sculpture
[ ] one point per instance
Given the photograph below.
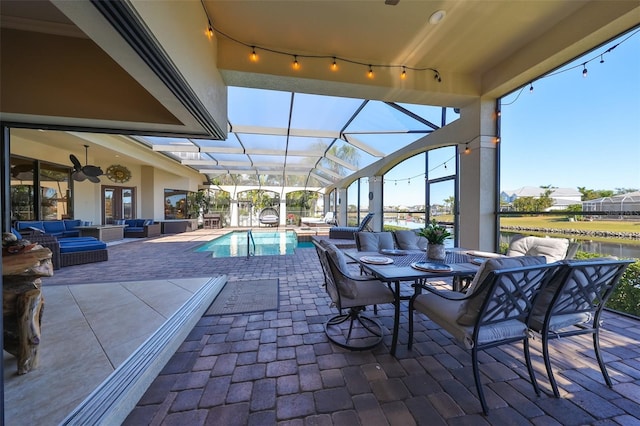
(23, 265)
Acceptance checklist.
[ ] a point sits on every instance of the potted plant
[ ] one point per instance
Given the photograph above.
(435, 235)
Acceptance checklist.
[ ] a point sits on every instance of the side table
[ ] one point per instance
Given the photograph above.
(22, 303)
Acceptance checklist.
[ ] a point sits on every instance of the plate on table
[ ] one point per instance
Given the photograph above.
(431, 267)
(393, 252)
(485, 254)
(376, 260)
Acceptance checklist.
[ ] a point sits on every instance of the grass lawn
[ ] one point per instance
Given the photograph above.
(563, 223)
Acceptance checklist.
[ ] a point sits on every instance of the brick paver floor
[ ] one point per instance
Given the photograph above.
(278, 367)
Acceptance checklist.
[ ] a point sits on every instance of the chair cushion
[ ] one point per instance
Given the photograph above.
(444, 312)
(346, 286)
(553, 249)
(82, 246)
(15, 232)
(470, 309)
(374, 241)
(409, 240)
(31, 224)
(543, 301)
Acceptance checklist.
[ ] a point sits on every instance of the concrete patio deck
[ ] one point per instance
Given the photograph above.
(278, 367)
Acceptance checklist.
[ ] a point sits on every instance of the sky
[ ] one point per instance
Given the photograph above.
(574, 131)
(571, 131)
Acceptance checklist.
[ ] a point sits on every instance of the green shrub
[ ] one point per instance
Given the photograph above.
(626, 297)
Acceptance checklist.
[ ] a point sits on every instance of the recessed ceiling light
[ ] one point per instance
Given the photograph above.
(437, 16)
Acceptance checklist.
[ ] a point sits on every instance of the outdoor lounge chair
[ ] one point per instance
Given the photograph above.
(348, 232)
(494, 311)
(269, 216)
(351, 330)
(572, 303)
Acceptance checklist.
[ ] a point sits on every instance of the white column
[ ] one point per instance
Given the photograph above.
(478, 174)
(233, 212)
(283, 210)
(342, 206)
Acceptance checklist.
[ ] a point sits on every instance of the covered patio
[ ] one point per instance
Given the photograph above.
(279, 367)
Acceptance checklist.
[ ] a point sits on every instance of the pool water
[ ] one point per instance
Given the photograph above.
(267, 244)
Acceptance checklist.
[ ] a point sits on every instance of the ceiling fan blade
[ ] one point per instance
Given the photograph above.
(75, 161)
(92, 170)
(94, 179)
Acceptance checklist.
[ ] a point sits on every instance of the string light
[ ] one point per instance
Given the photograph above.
(466, 149)
(334, 64)
(583, 65)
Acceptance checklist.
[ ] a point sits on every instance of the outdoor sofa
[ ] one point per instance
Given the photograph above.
(140, 228)
(68, 251)
(58, 228)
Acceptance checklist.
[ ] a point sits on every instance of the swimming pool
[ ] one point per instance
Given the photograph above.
(267, 244)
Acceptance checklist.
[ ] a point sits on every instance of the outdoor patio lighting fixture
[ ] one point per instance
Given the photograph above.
(334, 65)
(404, 73)
(530, 87)
(584, 70)
(296, 64)
(254, 55)
(437, 17)
(466, 149)
(370, 73)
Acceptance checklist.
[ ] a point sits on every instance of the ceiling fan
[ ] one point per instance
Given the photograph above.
(87, 171)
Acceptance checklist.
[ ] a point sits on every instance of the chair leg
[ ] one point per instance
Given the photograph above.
(603, 368)
(532, 375)
(547, 364)
(476, 377)
(345, 337)
(410, 343)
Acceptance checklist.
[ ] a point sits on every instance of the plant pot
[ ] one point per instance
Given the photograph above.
(436, 252)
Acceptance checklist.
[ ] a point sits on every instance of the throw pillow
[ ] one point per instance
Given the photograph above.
(553, 249)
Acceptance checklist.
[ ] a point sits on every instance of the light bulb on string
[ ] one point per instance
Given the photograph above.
(404, 73)
(296, 64)
(584, 70)
(601, 59)
(409, 181)
(445, 164)
(254, 55)
(210, 29)
(334, 65)
(530, 87)
(370, 73)
(466, 149)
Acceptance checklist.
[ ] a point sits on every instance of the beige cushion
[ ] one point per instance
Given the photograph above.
(470, 309)
(346, 287)
(542, 302)
(444, 312)
(553, 249)
(374, 241)
(409, 240)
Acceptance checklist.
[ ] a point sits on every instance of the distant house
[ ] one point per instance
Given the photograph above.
(622, 202)
(562, 197)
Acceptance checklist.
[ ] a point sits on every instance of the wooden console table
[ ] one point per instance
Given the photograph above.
(22, 303)
(104, 233)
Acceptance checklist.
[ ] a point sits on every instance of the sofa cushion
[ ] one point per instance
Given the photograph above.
(469, 310)
(53, 226)
(374, 241)
(82, 246)
(30, 224)
(70, 225)
(70, 234)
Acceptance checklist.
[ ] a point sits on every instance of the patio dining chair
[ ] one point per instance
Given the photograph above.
(553, 249)
(409, 240)
(351, 329)
(571, 304)
(374, 241)
(493, 312)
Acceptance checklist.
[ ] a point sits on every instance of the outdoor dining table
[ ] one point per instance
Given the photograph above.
(400, 269)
